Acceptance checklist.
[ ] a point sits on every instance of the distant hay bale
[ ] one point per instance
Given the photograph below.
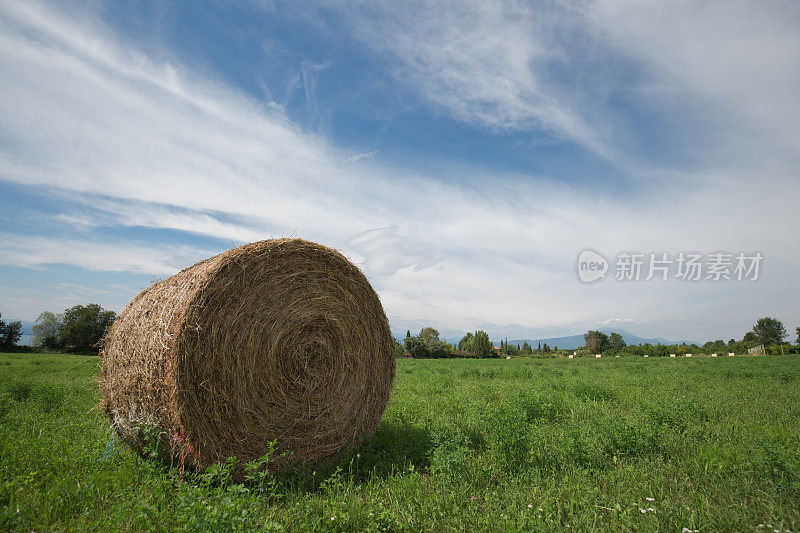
(281, 339)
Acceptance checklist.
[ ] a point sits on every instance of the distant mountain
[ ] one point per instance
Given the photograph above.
(573, 342)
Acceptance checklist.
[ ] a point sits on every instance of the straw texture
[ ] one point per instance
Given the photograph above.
(281, 339)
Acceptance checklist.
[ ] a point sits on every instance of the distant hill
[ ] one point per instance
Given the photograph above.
(573, 342)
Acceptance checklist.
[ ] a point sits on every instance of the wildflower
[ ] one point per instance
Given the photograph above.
(642, 510)
(540, 509)
(650, 509)
(650, 499)
(530, 506)
(472, 498)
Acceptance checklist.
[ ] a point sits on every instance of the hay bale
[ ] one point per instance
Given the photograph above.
(281, 339)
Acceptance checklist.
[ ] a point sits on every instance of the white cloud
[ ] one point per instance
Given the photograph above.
(482, 62)
(39, 251)
(619, 321)
(133, 142)
(128, 213)
(28, 302)
(721, 75)
(739, 57)
(363, 155)
(386, 252)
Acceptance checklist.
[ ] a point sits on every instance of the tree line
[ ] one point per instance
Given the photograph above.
(767, 331)
(428, 345)
(526, 349)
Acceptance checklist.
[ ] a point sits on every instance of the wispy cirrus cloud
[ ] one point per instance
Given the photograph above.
(741, 57)
(39, 251)
(704, 81)
(619, 321)
(362, 155)
(484, 63)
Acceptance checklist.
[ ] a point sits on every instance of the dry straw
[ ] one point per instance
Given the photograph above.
(281, 339)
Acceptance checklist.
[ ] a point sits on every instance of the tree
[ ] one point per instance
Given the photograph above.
(416, 347)
(596, 342)
(408, 333)
(429, 335)
(616, 342)
(526, 348)
(769, 330)
(437, 349)
(797, 330)
(427, 344)
(13, 333)
(465, 343)
(481, 344)
(10, 333)
(45, 330)
(83, 326)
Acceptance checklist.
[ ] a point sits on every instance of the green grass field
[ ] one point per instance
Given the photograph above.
(613, 444)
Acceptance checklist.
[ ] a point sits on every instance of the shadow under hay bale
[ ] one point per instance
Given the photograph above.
(281, 339)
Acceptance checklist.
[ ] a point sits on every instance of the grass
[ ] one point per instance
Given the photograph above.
(612, 444)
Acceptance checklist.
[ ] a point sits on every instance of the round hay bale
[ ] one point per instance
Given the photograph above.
(281, 339)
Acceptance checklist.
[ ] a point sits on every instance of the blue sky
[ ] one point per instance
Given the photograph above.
(462, 154)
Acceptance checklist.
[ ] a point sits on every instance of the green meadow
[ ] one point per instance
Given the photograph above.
(535, 444)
